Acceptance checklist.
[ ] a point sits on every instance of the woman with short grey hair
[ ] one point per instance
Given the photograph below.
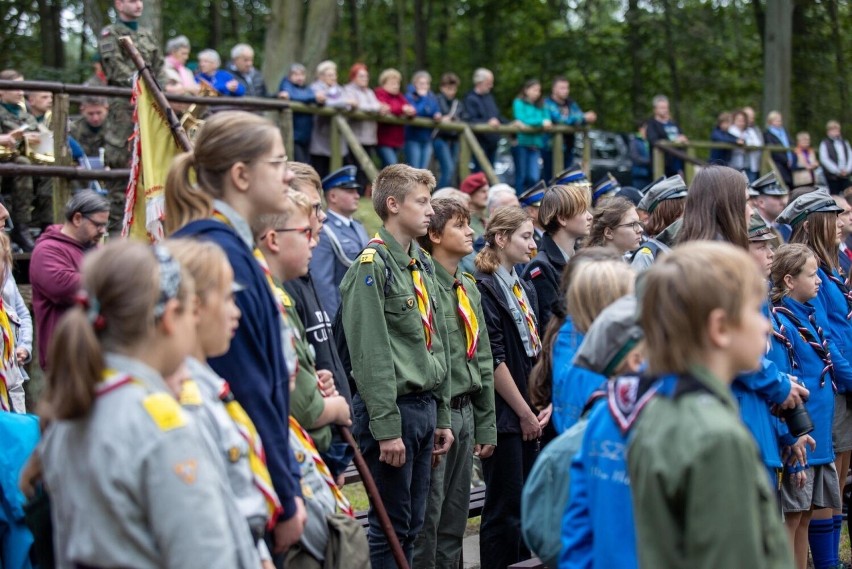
(179, 79)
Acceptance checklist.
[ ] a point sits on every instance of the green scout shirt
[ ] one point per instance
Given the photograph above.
(91, 140)
(474, 376)
(701, 497)
(306, 400)
(386, 340)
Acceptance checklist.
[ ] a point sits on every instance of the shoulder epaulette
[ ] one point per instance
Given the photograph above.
(165, 411)
(190, 394)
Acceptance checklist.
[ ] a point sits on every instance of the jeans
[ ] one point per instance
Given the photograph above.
(447, 154)
(403, 490)
(439, 545)
(418, 154)
(500, 542)
(527, 169)
(388, 155)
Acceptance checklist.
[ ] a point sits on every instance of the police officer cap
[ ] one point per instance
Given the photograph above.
(610, 338)
(533, 196)
(342, 179)
(767, 186)
(661, 190)
(573, 175)
(606, 186)
(758, 230)
(813, 202)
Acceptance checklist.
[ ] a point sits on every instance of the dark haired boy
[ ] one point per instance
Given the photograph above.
(474, 423)
(397, 339)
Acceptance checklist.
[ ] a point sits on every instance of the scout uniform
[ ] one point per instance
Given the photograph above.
(473, 419)
(769, 186)
(19, 189)
(132, 485)
(342, 241)
(120, 70)
(671, 188)
(398, 345)
(701, 498)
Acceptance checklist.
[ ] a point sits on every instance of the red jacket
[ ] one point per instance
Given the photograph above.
(392, 135)
(55, 278)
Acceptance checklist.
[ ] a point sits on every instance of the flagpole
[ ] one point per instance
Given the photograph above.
(171, 118)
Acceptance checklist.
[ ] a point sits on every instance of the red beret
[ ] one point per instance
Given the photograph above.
(474, 182)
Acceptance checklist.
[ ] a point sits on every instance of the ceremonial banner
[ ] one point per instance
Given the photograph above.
(154, 148)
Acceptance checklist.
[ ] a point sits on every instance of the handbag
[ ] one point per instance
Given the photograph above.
(803, 177)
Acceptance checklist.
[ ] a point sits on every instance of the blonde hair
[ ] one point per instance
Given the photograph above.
(204, 260)
(5, 255)
(122, 282)
(296, 203)
(505, 221)
(388, 74)
(679, 292)
(594, 286)
(305, 174)
(562, 202)
(225, 139)
(397, 181)
(324, 66)
(789, 260)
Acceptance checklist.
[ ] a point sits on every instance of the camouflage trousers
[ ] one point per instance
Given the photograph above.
(119, 128)
(18, 194)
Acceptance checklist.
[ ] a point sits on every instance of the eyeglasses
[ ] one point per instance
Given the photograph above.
(317, 207)
(307, 231)
(635, 225)
(98, 225)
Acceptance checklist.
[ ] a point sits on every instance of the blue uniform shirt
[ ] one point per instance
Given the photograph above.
(341, 242)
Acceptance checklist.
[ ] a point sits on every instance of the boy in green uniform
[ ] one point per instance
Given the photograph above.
(701, 498)
(449, 240)
(397, 339)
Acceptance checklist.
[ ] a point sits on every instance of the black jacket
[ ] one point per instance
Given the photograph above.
(506, 344)
(545, 272)
(780, 158)
(480, 109)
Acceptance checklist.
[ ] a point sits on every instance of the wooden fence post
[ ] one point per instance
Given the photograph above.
(558, 153)
(355, 147)
(61, 188)
(336, 155)
(479, 153)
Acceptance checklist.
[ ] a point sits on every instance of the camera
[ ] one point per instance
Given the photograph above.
(798, 420)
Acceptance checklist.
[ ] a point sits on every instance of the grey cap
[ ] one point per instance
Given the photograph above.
(800, 208)
(663, 189)
(758, 230)
(610, 338)
(767, 186)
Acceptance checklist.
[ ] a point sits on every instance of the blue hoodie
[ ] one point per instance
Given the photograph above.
(426, 107)
(572, 385)
(832, 307)
(254, 366)
(597, 528)
(808, 368)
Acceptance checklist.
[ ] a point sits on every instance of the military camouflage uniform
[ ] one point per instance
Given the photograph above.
(18, 190)
(90, 140)
(119, 70)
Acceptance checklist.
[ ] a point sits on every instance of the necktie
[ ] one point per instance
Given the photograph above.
(308, 444)
(423, 305)
(528, 317)
(7, 358)
(468, 317)
(257, 456)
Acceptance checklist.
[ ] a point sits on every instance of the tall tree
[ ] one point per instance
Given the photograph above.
(777, 55)
(152, 18)
(293, 36)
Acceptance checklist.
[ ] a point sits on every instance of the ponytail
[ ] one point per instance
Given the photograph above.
(185, 201)
(487, 261)
(76, 366)
(505, 221)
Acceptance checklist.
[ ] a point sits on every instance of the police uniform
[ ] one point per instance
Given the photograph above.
(569, 176)
(532, 198)
(701, 498)
(663, 189)
(403, 387)
(119, 70)
(342, 240)
(19, 189)
(474, 422)
(133, 485)
(768, 186)
(605, 187)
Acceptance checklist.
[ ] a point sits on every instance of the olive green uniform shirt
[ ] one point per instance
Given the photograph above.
(10, 121)
(306, 400)
(701, 497)
(91, 140)
(473, 376)
(386, 339)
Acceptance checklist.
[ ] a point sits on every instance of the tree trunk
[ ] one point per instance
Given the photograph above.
(839, 64)
(283, 42)
(215, 25)
(322, 15)
(401, 35)
(634, 45)
(420, 35)
(94, 16)
(672, 62)
(354, 29)
(234, 18)
(52, 47)
(777, 56)
(152, 18)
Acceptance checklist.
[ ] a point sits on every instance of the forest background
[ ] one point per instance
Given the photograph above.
(706, 55)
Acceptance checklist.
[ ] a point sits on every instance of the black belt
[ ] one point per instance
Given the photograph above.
(460, 401)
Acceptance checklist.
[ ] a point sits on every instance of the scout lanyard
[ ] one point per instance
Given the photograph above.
(820, 344)
(468, 318)
(308, 444)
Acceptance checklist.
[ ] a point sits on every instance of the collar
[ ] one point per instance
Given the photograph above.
(445, 279)
(507, 278)
(712, 383)
(202, 373)
(347, 221)
(799, 309)
(136, 369)
(134, 25)
(554, 252)
(13, 108)
(239, 224)
(401, 257)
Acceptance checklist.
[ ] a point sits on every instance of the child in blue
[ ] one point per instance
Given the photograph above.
(597, 528)
(795, 286)
(816, 223)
